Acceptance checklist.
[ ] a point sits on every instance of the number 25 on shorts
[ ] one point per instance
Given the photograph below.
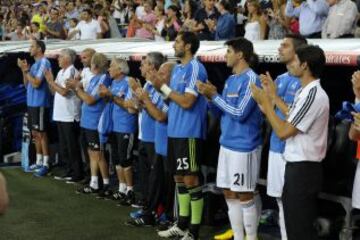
(182, 164)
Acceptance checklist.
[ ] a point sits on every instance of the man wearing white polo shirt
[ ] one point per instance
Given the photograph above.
(305, 131)
(88, 28)
(67, 115)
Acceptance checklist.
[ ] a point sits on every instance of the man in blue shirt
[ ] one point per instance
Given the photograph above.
(282, 93)
(311, 13)
(38, 103)
(186, 133)
(149, 64)
(123, 126)
(225, 25)
(161, 189)
(91, 110)
(240, 140)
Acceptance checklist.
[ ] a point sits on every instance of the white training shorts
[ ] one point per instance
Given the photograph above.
(238, 171)
(275, 174)
(356, 189)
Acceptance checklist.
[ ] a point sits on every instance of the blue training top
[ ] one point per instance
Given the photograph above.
(38, 97)
(287, 86)
(90, 114)
(123, 121)
(187, 123)
(241, 117)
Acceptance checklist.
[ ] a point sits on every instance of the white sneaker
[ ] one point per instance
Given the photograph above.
(174, 231)
(188, 236)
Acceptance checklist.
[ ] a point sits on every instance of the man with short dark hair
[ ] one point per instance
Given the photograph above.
(38, 103)
(88, 27)
(240, 140)
(305, 131)
(54, 27)
(186, 133)
(282, 92)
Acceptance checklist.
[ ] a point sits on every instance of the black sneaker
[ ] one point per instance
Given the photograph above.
(87, 190)
(140, 203)
(129, 199)
(105, 193)
(74, 180)
(118, 196)
(143, 221)
(64, 177)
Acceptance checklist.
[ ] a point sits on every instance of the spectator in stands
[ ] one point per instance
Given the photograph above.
(124, 126)
(224, 28)
(275, 17)
(18, 34)
(188, 14)
(91, 110)
(88, 28)
(208, 12)
(71, 10)
(160, 22)
(255, 28)
(40, 16)
(66, 113)
(122, 14)
(33, 32)
(147, 22)
(103, 19)
(38, 104)
(354, 135)
(4, 198)
(72, 27)
(341, 21)
(312, 15)
(71, 13)
(54, 27)
(172, 24)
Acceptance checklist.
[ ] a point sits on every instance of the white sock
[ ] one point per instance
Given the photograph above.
(106, 181)
(122, 187)
(129, 188)
(94, 182)
(236, 218)
(46, 161)
(281, 219)
(251, 219)
(257, 199)
(39, 159)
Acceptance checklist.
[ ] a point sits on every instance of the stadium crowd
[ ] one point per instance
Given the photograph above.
(161, 20)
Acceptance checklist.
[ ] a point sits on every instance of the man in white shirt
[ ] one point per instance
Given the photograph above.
(67, 115)
(88, 28)
(305, 131)
(86, 75)
(341, 21)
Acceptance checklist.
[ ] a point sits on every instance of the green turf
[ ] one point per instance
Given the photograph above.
(43, 208)
(46, 209)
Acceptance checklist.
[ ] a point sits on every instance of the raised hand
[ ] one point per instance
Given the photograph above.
(134, 84)
(356, 83)
(103, 91)
(268, 84)
(23, 64)
(48, 75)
(207, 89)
